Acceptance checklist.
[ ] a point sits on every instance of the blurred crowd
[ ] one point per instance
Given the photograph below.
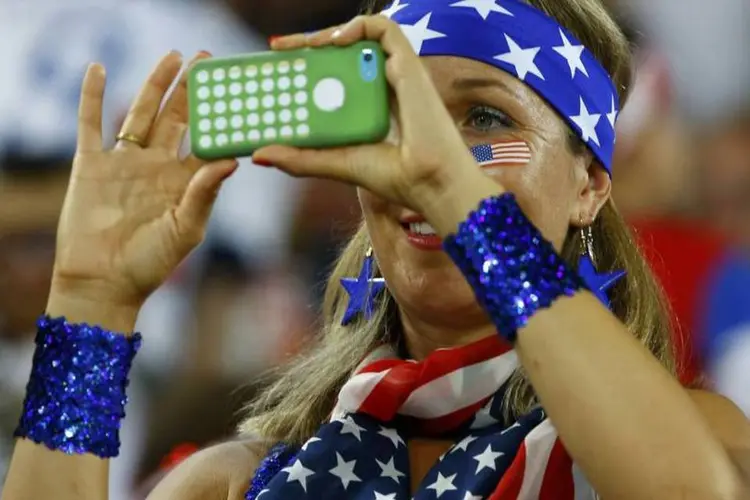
(248, 298)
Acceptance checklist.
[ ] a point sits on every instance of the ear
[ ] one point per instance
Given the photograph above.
(592, 196)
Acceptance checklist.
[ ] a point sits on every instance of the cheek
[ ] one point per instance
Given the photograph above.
(544, 188)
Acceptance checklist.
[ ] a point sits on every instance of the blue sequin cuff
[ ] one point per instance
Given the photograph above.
(75, 398)
(278, 457)
(513, 270)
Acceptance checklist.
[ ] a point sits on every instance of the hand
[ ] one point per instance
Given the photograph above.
(133, 213)
(424, 156)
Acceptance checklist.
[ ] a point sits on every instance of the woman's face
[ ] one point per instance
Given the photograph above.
(556, 188)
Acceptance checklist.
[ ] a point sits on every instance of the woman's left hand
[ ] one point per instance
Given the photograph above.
(424, 158)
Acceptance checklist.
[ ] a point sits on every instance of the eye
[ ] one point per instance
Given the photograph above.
(485, 118)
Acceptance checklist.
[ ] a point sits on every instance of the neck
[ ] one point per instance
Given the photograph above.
(424, 335)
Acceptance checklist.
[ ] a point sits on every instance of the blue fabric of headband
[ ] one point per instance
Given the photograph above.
(528, 44)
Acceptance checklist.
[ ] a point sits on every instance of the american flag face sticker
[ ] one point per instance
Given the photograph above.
(502, 154)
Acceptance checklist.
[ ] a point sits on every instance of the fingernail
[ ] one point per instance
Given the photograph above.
(273, 38)
(262, 163)
(229, 173)
(336, 33)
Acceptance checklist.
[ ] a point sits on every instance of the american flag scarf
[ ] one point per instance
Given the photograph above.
(361, 452)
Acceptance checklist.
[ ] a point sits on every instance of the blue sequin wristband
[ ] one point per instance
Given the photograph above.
(278, 457)
(75, 399)
(513, 270)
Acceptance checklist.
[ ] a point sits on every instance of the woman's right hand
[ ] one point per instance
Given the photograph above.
(132, 213)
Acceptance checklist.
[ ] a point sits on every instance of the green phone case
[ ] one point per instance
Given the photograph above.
(311, 98)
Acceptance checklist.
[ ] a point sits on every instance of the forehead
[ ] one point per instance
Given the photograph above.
(454, 75)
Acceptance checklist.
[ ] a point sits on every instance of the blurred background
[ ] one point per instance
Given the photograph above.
(249, 297)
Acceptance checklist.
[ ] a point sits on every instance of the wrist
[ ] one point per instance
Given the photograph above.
(447, 204)
(104, 311)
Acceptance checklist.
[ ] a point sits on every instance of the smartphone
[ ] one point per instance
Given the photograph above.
(310, 98)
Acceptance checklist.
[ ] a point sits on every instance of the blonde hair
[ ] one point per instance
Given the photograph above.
(304, 393)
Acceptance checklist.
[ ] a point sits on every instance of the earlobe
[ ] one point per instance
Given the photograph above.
(592, 197)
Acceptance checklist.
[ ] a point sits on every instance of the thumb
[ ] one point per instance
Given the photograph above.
(195, 207)
(362, 165)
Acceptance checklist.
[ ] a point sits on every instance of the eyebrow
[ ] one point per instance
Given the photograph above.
(476, 83)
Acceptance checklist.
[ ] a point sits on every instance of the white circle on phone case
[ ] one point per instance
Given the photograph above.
(300, 97)
(283, 67)
(253, 135)
(235, 88)
(251, 71)
(269, 101)
(222, 140)
(204, 125)
(285, 99)
(236, 105)
(235, 72)
(237, 121)
(220, 91)
(251, 87)
(300, 65)
(219, 74)
(287, 131)
(202, 77)
(221, 123)
(303, 130)
(269, 133)
(238, 137)
(252, 103)
(220, 107)
(302, 114)
(204, 109)
(253, 119)
(285, 116)
(300, 81)
(269, 117)
(284, 83)
(203, 93)
(205, 141)
(267, 85)
(329, 94)
(267, 69)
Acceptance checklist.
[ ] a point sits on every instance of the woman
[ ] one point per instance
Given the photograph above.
(475, 431)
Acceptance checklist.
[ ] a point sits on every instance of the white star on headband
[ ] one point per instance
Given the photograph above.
(612, 115)
(521, 59)
(572, 54)
(483, 7)
(420, 33)
(393, 9)
(587, 123)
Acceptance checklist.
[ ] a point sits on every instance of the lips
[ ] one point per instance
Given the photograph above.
(420, 234)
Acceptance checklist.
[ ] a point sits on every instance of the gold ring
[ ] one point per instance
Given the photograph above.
(132, 138)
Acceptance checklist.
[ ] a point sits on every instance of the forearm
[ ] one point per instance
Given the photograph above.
(631, 427)
(624, 419)
(36, 472)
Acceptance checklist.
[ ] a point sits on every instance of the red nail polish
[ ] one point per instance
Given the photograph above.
(273, 38)
(262, 163)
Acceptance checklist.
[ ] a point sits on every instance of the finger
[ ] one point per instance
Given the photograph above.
(194, 210)
(418, 100)
(90, 109)
(352, 165)
(172, 123)
(146, 105)
(324, 37)
(296, 41)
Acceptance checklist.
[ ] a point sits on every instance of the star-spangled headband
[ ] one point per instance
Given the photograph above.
(525, 42)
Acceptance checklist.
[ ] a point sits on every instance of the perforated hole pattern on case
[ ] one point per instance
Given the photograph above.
(242, 105)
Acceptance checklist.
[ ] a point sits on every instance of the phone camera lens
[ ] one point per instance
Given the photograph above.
(368, 56)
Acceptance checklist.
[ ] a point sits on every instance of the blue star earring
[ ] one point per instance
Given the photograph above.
(362, 291)
(599, 284)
